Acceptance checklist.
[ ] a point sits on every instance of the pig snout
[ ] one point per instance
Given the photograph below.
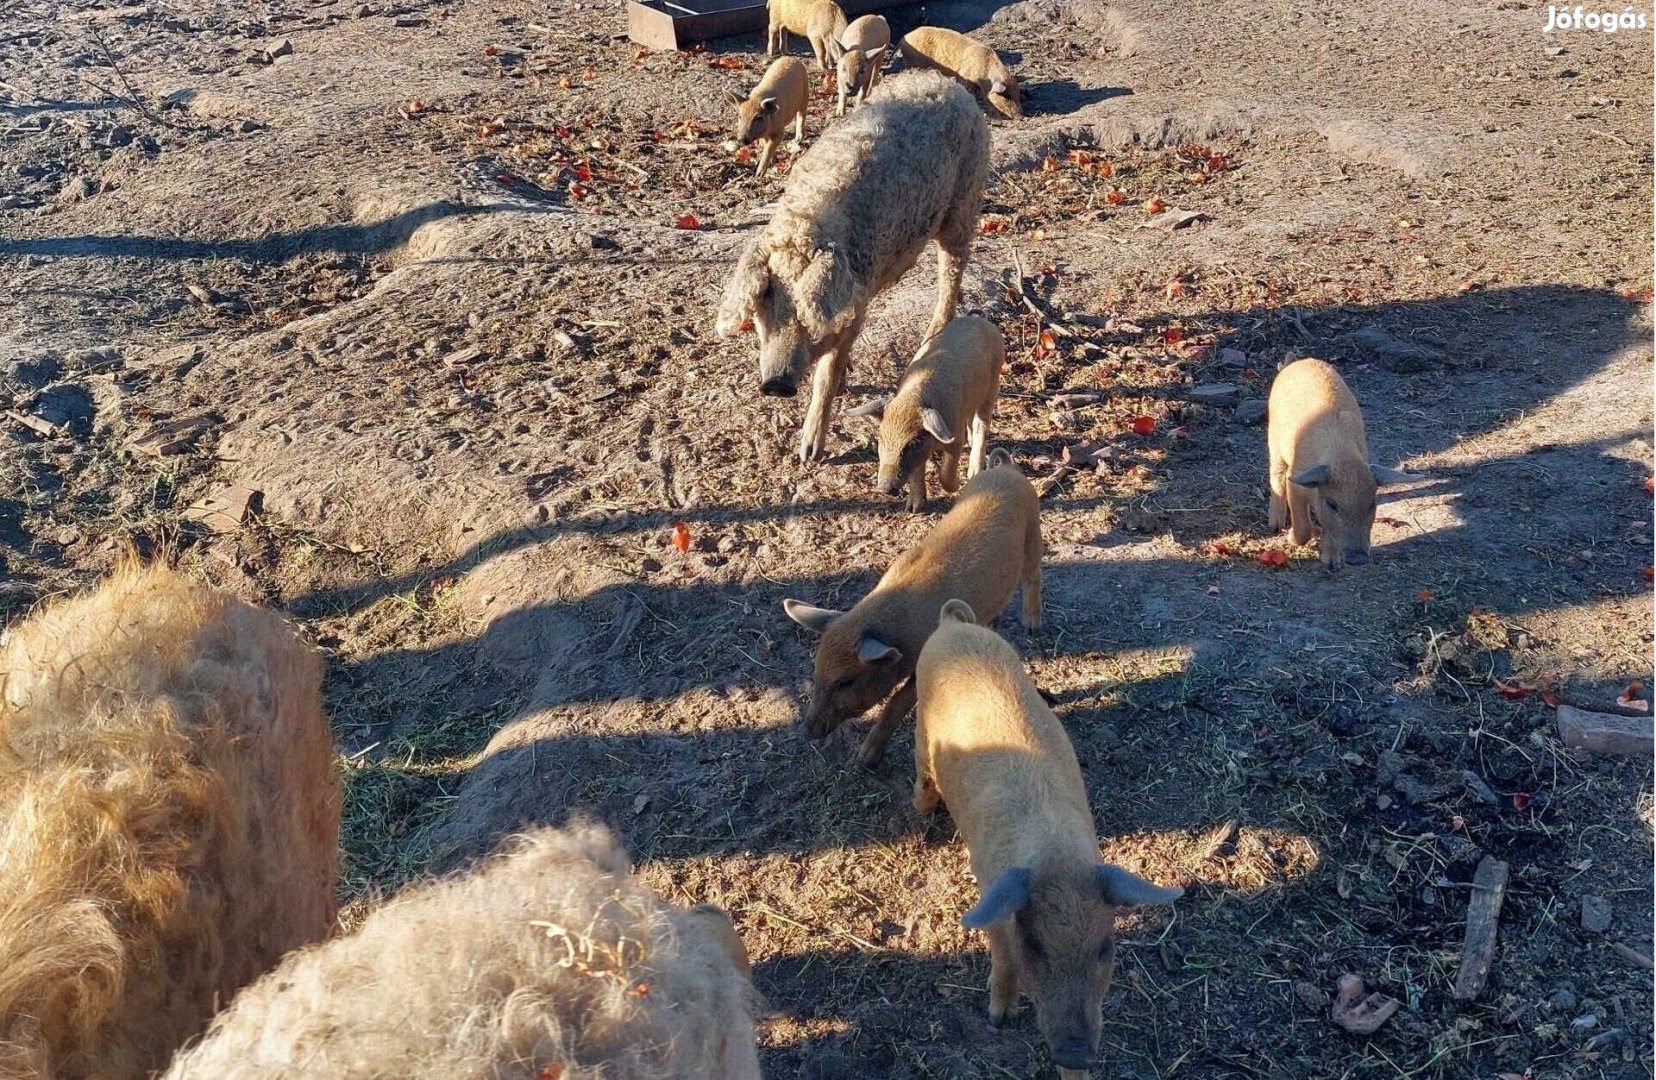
(818, 723)
(1071, 1052)
(778, 385)
(888, 485)
(1356, 558)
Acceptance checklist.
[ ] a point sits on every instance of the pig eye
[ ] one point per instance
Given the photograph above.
(1334, 506)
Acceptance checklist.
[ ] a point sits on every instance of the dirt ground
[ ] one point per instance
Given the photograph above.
(415, 273)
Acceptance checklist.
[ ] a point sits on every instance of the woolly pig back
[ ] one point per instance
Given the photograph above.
(875, 183)
(548, 959)
(170, 820)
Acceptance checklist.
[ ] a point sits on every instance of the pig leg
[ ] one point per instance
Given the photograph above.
(980, 443)
(1032, 608)
(767, 147)
(874, 744)
(825, 384)
(1003, 977)
(948, 468)
(799, 128)
(775, 38)
(954, 244)
(1278, 518)
(1299, 513)
(917, 489)
(925, 784)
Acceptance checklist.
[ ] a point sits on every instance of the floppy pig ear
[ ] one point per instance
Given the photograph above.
(933, 422)
(825, 295)
(875, 409)
(998, 87)
(1006, 896)
(871, 650)
(957, 611)
(1125, 887)
(814, 619)
(1315, 475)
(733, 97)
(742, 292)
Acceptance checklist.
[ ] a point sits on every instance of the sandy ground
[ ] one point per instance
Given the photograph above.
(415, 274)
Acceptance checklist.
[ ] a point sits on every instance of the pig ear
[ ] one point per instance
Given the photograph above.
(875, 408)
(1383, 475)
(957, 611)
(733, 97)
(1125, 887)
(877, 56)
(717, 923)
(814, 619)
(1315, 475)
(997, 87)
(871, 650)
(768, 104)
(742, 292)
(825, 294)
(1006, 896)
(933, 421)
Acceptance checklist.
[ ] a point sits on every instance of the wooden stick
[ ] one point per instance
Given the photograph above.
(1483, 915)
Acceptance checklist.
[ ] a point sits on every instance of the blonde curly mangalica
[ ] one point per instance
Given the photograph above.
(169, 818)
(549, 961)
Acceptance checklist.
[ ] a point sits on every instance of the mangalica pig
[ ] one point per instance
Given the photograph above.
(949, 390)
(986, 744)
(779, 100)
(982, 549)
(1320, 473)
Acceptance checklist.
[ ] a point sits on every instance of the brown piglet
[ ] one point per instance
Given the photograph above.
(764, 115)
(986, 744)
(982, 549)
(949, 390)
(1320, 473)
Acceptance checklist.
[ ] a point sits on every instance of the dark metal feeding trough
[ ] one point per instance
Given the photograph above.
(673, 24)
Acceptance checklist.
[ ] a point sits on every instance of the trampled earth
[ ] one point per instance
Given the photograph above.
(438, 280)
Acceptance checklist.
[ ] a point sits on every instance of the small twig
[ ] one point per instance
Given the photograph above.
(133, 98)
(1041, 316)
(1632, 956)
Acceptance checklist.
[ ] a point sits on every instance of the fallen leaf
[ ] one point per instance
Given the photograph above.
(1047, 340)
(1549, 698)
(1172, 335)
(1650, 485)
(553, 1071)
(490, 50)
(1513, 691)
(565, 83)
(641, 988)
(503, 179)
(1424, 596)
(687, 221)
(1080, 157)
(1115, 198)
(1175, 289)
(1050, 164)
(1154, 206)
(991, 225)
(1396, 523)
(1272, 557)
(1629, 699)
(681, 536)
(1358, 1011)
(1180, 432)
(578, 191)
(1219, 547)
(1216, 163)
(1650, 573)
(744, 153)
(729, 63)
(1523, 800)
(745, 326)
(415, 107)
(1144, 425)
